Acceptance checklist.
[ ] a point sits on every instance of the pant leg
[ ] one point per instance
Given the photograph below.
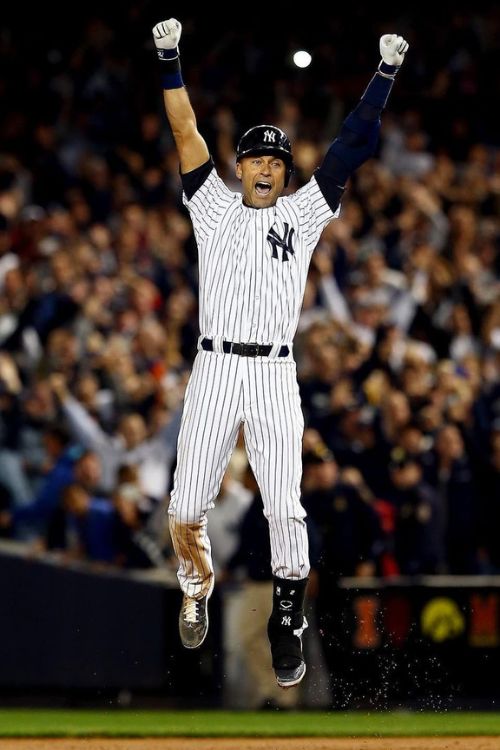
(273, 430)
(208, 434)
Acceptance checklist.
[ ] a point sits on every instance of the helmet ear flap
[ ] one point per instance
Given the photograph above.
(288, 173)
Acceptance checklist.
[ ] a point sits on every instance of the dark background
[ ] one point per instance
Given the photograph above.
(243, 59)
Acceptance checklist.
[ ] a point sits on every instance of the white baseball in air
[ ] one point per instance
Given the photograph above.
(302, 58)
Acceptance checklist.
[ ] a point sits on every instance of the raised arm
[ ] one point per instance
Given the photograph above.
(83, 427)
(191, 146)
(359, 133)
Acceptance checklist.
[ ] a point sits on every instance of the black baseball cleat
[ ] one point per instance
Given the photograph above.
(287, 678)
(193, 621)
(285, 628)
(286, 649)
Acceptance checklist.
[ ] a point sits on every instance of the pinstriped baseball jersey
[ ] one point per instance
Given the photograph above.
(252, 272)
(253, 263)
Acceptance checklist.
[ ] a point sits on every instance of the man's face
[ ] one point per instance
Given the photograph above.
(133, 430)
(88, 470)
(263, 179)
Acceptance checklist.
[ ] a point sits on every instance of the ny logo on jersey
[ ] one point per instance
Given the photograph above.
(269, 136)
(285, 242)
(286, 620)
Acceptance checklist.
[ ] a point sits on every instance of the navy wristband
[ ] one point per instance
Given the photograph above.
(172, 81)
(168, 54)
(387, 70)
(171, 69)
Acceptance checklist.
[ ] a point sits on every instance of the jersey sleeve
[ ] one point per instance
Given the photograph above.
(193, 180)
(314, 211)
(208, 203)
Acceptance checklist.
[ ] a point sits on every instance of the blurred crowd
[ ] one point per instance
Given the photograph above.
(398, 347)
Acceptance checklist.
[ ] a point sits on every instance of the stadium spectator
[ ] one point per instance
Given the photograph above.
(130, 445)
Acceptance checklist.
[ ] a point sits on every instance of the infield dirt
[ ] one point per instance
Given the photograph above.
(244, 743)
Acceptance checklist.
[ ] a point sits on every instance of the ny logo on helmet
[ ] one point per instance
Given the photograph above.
(285, 242)
(269, 136)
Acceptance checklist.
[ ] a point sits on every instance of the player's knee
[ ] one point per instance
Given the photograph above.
(284, 515)
(185, 516)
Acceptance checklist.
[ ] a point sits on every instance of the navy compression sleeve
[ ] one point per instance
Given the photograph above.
(358, 136)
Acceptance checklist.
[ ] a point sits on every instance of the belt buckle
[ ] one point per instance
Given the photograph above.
(250, 350)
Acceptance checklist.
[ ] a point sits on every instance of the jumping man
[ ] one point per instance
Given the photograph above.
(254, 253)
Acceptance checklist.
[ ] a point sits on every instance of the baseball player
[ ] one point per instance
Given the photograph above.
(254, 253)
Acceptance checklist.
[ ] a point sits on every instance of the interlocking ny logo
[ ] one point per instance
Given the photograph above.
(285, 242)
(269, 136)
(286, 620)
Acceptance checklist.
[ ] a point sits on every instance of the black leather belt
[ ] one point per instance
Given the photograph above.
(244, 350)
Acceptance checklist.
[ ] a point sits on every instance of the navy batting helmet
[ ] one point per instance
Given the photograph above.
(267, 139)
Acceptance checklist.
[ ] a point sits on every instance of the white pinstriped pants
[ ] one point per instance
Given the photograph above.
(224, 391)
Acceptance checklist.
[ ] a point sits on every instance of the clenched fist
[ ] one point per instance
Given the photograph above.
(393, 49)
(166, 35)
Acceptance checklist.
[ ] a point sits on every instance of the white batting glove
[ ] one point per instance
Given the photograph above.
(166, 35)
(393, 49)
